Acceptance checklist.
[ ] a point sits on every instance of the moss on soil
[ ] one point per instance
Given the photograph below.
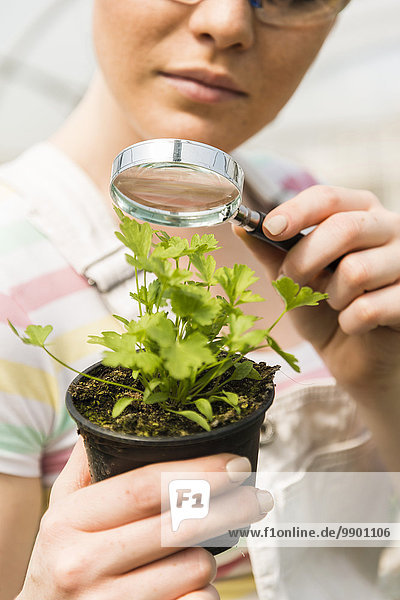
(95, 401)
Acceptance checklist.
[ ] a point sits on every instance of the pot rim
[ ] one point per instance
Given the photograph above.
(110, 434)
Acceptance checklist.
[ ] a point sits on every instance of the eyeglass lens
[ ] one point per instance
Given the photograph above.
(281, 12)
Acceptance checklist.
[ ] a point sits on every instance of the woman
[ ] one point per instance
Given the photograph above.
(215, 71)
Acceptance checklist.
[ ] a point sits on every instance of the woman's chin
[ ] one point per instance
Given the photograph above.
(206, 133)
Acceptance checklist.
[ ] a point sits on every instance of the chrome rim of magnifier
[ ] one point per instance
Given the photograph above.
(176, 182)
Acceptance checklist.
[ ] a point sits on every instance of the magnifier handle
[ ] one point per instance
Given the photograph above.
(284, 244)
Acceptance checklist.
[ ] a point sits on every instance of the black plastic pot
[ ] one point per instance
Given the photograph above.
(111, 453)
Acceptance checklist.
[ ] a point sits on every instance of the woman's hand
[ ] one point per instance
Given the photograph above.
(103, 541)
(357, 330)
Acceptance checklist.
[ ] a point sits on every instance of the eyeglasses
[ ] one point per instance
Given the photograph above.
(292, 13)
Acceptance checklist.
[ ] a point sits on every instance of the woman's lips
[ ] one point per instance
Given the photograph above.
(199, 91)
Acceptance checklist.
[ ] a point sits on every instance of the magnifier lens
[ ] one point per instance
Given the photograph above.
(174, 192)
(175, 188)
(184, 183)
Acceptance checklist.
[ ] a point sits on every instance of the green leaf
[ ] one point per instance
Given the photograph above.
(150, 296)
(205, 267)
(195, 302)
(162, 268)
(153, 294)
(151, 326)
(204, 406)
(289, 358)
(156, 397)
(119, 358)
(239, 324)
(203, 244)
(243, 277)
(240, 339)
(294, 296)
(254, 375)
(193, 416)
(147, 362)
(307, 297)
(162, 235)
(162, 331)
(121, 405)
(248, 296)
(247, 342)
(213, 329)
(119, 212)
(233, 398)
(121, 319)
(242, 370)
(286, 288)
(213, 373)
(13, 328)
(135, 236)
(235, 281)
(180, 276)
(184, 358)
(151, 386)
(36, 335)
(174, 247)
(230, 398)
(140, 296)
(109, 339)
(126, 355)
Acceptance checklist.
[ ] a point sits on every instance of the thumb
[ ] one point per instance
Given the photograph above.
(75, 474)
(270, 257)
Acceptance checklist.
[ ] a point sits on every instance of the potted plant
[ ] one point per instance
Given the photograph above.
(176, 384)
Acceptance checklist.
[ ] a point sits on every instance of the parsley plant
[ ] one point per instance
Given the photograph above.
(178, 356)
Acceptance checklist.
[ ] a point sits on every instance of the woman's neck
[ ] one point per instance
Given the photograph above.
(96, 131)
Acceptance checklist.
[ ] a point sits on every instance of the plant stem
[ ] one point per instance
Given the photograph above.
(137, 290)
(63, 364)
(145, 288)
(197, 389)
(177, 325)
(276, 322)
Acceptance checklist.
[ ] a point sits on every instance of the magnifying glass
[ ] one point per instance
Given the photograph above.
(183, 183)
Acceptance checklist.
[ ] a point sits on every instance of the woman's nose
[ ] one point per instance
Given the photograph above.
(226, 23)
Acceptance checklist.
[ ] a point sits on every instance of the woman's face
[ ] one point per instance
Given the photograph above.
(209, 72)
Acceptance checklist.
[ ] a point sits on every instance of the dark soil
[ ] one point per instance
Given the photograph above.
(95, 401)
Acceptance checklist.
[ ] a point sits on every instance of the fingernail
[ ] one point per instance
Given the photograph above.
(265, 500)
(215, 571)
(276, 225)
(238, 469)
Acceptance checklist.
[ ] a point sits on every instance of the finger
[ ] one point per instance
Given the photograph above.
(312, 206)
(378, 308)
(185, 572)
(207, 593)
(74, 476)
(336, 236)
(136, 544)
(361, 272)
(140, 493)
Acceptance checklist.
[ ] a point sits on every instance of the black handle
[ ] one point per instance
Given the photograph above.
(284, 244)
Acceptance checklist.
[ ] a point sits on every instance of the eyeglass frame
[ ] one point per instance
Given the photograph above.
(259, 7)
